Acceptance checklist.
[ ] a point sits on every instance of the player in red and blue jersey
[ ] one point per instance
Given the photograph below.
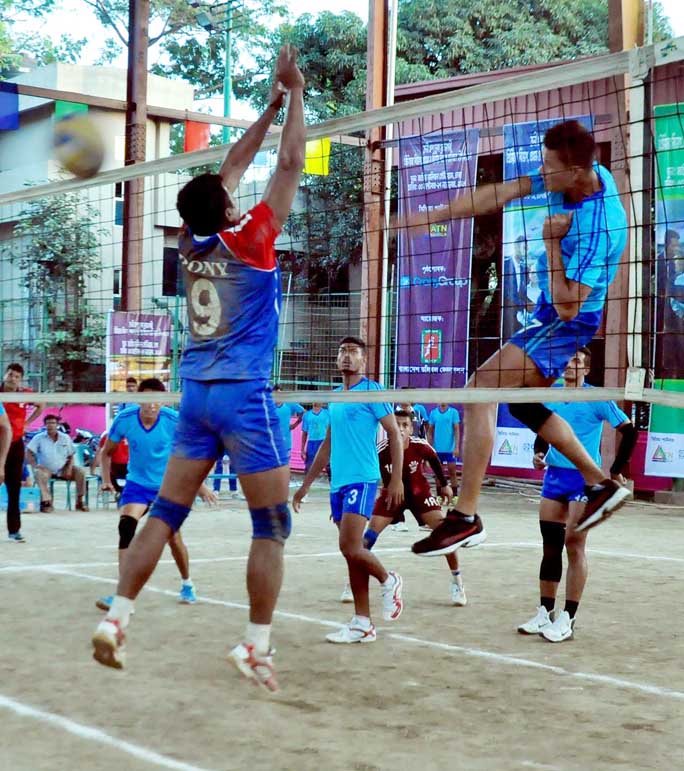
(233, 291)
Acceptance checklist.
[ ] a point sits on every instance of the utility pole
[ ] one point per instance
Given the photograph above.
(136, 130)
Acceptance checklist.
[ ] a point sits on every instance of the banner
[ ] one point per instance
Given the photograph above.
(665, 445)
(434, 267)
(523, 256)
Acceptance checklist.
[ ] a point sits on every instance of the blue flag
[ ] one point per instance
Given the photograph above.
(9, 106)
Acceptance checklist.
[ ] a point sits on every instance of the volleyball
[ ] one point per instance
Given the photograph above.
(78, 145)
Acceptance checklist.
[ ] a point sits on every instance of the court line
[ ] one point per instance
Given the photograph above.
(94, 734)
(502, 658)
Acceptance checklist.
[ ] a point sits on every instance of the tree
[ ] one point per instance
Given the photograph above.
(56, 248)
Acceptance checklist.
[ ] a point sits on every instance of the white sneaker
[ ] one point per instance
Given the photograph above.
(458, 595)
(351, 633)
(400, 527)
(535, 625)
(392, 604)
(109, 644)
(347, 595)
(563, 628)
(258, 669)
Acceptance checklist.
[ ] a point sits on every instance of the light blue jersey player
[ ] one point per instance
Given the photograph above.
(233, 289)
(584, 236)
(149, 430)
(314, 429)
(563, 500)
(285, 413)
(444, 434)
(351, 448)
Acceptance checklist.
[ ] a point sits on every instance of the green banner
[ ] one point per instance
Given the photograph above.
(67, 108)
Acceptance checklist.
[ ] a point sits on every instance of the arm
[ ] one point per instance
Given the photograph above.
(319, 463)
(624, 453)
(299, 416)
(431, 433)
(207, 495)
(106, 460)
(305, 440)
(457, 437)
(31, 458)
(395, 488)
(5, 441)
(541, 447)
(38, 410)
(567, 296)
(438, 471)
(282, 186)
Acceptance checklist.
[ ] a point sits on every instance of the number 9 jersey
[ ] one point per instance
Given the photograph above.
(232, 285)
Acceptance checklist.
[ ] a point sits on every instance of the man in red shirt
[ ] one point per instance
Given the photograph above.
(119, 462)
(418, 497)
(14, 465)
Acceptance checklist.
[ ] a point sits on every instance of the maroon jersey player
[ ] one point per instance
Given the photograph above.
(418, 496)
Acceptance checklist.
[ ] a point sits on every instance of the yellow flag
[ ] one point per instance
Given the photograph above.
(317, 158)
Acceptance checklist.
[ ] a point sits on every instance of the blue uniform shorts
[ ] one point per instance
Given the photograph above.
(446, 457)
(135, 493)
(550, 342)
(563, 484)
(235, 416)
(312, 447)
(358, 498)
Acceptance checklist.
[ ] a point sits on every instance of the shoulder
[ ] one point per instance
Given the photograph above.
(166, 413)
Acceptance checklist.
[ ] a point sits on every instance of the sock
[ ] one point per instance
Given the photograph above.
(571, 607)
(456, 574)
(362, 621)
(259, 635)
(369, 539)
(389, 581)
(120, 610)
(549, 603)
(187, 582)
(468, 517)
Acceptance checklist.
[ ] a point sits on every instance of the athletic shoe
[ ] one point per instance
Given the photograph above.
(542, 620)
(16, 538)
(187, 595)
(458, 595)
(81, 506)
(399, 527)
(46, 507)
(392, 604)
(347, 595)
(105, 603)
(601, 503)
(452, 532)
(563, 628)
(350, 633)
(258, 669)
(109, 643)
(427, 528)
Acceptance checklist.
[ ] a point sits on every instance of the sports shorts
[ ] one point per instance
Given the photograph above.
(416, 504)
(551, 342)
(357, 498)
(233, 416)
(446, 457)
(562, 484)
(135, 493)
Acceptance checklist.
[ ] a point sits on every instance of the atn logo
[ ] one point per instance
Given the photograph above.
(431, 346)
(438, 230)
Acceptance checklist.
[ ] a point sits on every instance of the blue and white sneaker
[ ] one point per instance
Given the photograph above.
(16, 538)
(105, 603)
(187, 595)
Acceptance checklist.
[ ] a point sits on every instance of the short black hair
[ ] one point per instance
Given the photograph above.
(670, 235)
(151, 384)
(276, 387)
(399, 413)
(50, 417)
(202, 204)
(14, 367)
(574, 144)
(131, 379)
(587, 356)
(354, 341)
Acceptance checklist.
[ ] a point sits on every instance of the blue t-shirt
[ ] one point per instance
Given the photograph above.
(594, 245)
(421, 411)
(444, 423)
(2, 408)
(586, 419)
(285, 413)
(353, 433)
(149, 449)
(316, 426)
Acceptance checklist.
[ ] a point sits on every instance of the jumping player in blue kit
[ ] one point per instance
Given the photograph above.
(584, 235)
(233, 291)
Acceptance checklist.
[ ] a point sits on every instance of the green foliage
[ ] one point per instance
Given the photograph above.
(57, 252)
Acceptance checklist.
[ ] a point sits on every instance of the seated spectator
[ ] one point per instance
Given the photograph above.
(51, 455)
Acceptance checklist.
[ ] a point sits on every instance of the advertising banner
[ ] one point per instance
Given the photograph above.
(434, 266)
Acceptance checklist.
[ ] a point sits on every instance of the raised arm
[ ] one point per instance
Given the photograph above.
(282, 186)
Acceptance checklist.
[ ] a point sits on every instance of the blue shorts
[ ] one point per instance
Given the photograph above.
(446, 457)
(135, 493)
(358, 498)
(235, 416)
(550, 342)
(564, 485)
(312, 447)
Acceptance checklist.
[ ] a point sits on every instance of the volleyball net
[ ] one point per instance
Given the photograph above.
(81, 316)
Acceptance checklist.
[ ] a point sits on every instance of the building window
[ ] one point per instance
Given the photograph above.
(118, 203)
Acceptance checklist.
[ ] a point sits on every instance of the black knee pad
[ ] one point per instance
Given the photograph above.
(531, 415)
(553, 537)
(127, 526)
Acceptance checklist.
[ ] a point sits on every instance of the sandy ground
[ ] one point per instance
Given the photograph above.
(442, 688)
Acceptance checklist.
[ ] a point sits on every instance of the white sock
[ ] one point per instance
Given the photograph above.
(187, 582)
(362, 621)
(259, 635)
(456, 576)
(120, 610)
(389, 581)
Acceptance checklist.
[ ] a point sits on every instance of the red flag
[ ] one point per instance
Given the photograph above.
(196, 136)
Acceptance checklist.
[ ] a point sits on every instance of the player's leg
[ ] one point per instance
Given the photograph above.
(43, 476)
(13, 470)
(452, 470)
(181, 557)
(433, 517)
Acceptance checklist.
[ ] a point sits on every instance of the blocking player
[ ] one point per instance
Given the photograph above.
(444, 434)
(233, 288)
(418, 497)
(584, 238)
(350, 447)
(562, 501)
(149, 430)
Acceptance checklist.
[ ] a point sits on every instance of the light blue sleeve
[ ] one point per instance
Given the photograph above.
(116, 432)
(433, 419)
(33, 444)
(611, 413)
(2, 409)
(296, 409)
(305, 422)
(381, 409)
(586, 252)
(456, 417)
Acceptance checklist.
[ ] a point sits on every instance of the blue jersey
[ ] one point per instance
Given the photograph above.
(586, 419)
(232, 283)
(593, 246)
(2, 409)
(421, 412)
(285, 413)
(316, 426)
(444, 422)
(149, 449)
(353, 433)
